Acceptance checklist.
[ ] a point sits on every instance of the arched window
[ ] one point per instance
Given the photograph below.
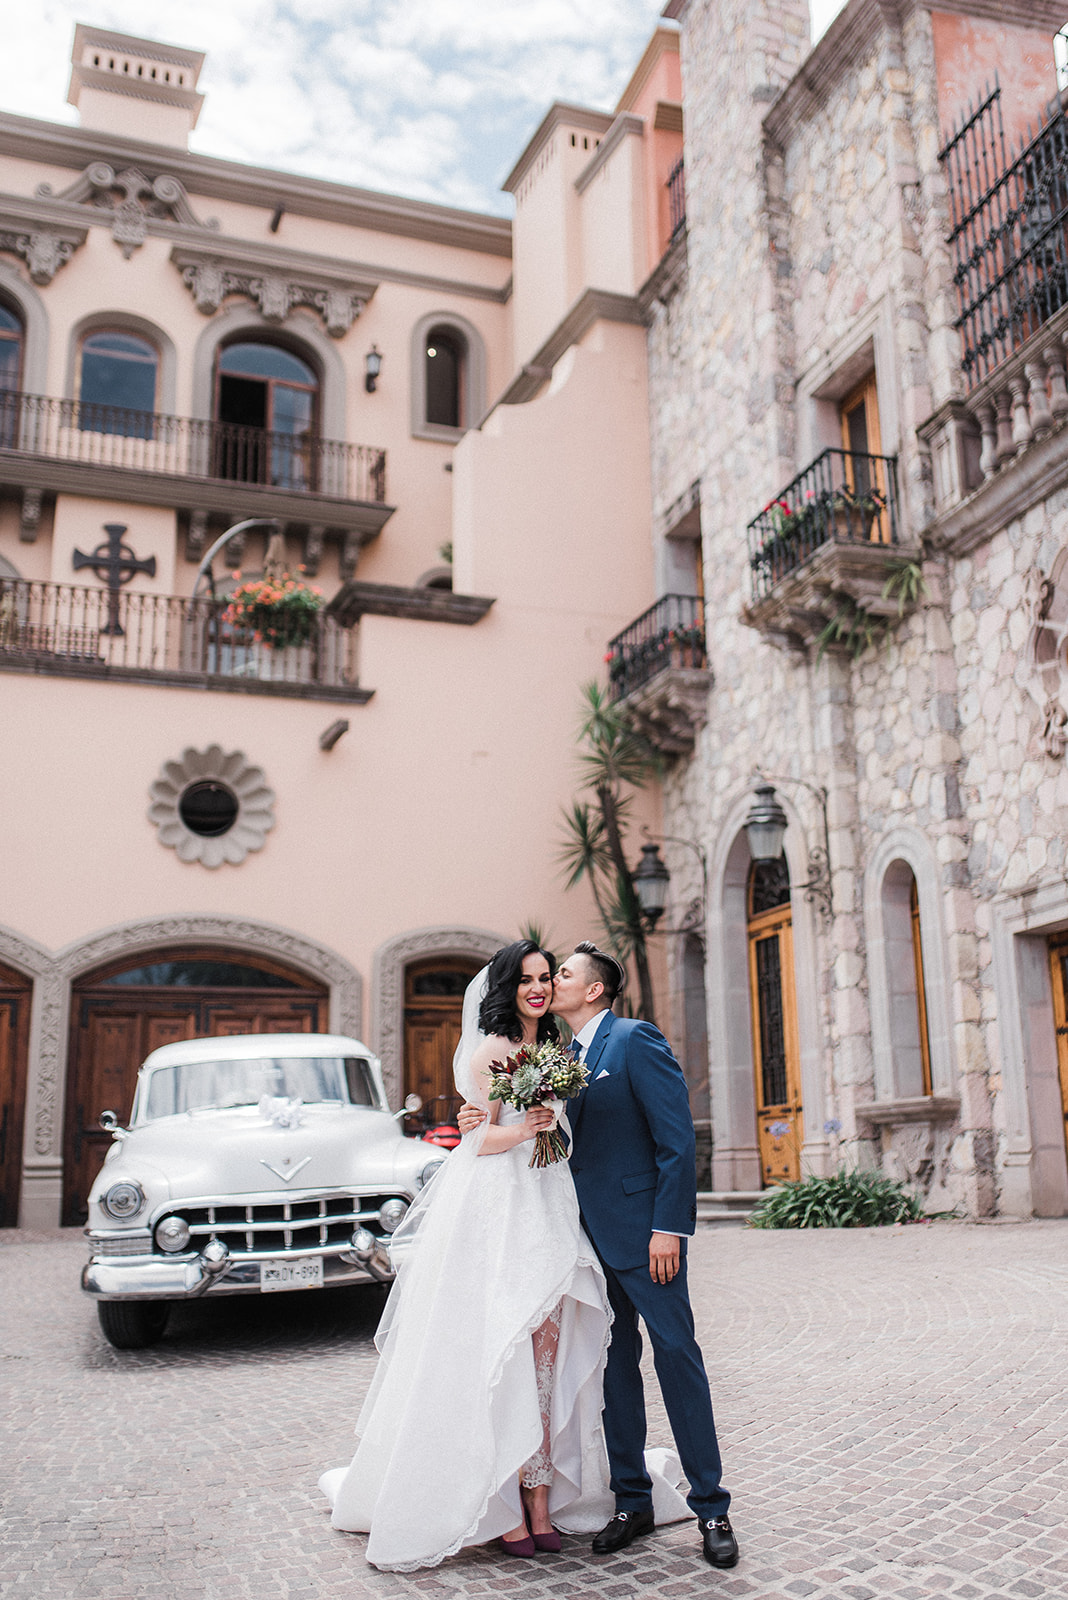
(446, 351)
(780, 1129)
(11, 338)
(117, 384)
(909, 1034)
(266, 415)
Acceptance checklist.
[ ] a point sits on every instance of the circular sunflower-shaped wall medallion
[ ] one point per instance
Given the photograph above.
(211, 806)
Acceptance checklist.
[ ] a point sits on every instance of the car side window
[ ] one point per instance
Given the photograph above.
(359, 1081)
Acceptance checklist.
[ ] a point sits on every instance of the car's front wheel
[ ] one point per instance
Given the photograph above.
(131, 1324)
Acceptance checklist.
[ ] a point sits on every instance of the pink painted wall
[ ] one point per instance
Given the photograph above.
(970, 51)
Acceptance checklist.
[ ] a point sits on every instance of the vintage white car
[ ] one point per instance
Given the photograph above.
(251, 1165)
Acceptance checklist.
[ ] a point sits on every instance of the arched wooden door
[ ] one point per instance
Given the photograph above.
(433, 1009)
(15, 993)
(777, 1056)
(125, 1010)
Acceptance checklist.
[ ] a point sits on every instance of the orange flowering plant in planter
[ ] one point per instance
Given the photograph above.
(278, 611)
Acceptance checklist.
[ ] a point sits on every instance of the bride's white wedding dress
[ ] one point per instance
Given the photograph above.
(452, 1414)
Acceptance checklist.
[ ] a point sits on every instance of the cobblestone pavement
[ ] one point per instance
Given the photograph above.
(890, 1402)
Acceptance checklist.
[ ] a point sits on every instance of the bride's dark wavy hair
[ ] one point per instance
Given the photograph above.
(498, 1013)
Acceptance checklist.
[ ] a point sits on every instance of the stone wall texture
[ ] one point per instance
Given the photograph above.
(816, 249)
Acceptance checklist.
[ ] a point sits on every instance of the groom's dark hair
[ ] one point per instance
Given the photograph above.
(609, 972)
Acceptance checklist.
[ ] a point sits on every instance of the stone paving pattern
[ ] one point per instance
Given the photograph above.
(890, 1402)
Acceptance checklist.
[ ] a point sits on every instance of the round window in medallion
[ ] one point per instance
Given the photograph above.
(208, 808)
(212, 806)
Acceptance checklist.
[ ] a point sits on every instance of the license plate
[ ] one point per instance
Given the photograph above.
(277, 1273)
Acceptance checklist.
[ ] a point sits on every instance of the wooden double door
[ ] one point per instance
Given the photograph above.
(121, 1013)
(433, 1013)
(780, 1114)
(15, 993)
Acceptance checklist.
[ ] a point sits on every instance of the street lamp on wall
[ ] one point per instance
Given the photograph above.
(651, 878)
(373, 364)
(765, 830)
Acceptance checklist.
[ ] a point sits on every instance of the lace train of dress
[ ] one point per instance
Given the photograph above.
(453, 1415)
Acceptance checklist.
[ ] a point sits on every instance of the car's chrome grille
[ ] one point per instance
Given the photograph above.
(277, 1225)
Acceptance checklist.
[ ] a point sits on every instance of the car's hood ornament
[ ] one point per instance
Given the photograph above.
(286, 1172)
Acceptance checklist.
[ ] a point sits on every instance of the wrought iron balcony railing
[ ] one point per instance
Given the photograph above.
(1010, 232)
(84, 632)
(146, 441)
(843, 498)
(669, 634)
(676, 188)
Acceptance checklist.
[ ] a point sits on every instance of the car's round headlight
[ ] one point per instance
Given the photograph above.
(392, 1214)
(172, 1234)
(429, 1170)
(123, 1200)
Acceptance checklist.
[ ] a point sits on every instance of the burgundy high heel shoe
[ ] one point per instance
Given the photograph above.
(547, 1541)
(519, 1547)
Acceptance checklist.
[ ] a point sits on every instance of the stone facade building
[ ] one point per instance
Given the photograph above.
(866, 494)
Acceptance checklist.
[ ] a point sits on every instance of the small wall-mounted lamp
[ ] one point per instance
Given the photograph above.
(373, 363)
(765, 829)
(651, 878)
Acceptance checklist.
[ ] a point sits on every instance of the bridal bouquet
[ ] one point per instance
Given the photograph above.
(538, 1075)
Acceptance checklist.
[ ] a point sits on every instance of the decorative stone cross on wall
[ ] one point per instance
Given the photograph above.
(114, 563)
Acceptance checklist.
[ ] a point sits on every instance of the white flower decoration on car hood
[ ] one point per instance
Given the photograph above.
(280, 1110)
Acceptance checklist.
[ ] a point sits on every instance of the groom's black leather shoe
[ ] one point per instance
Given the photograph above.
(718, 1544)
(624, 1527)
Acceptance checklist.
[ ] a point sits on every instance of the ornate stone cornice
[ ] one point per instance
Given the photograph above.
(209, 177)
(276, 280)
(131, 199)
(44, 249)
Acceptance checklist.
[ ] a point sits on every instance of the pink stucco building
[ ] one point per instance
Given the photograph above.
(206, 831)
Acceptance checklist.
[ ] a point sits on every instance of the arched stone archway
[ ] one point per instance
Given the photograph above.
(732, 1084)
(50, 1017)
(387, 986)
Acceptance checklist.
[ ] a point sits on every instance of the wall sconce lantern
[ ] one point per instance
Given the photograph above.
(765, 829)
(765, 826)
(373, 363)
(651, 878)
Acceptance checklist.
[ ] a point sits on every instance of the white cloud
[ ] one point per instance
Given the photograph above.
(430, 98)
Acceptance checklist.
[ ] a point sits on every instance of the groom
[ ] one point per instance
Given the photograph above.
(632, 1159)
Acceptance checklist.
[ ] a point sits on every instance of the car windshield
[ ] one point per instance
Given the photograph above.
(216, 1085)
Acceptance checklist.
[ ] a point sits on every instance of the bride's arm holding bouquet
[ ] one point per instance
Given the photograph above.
(539, 1119)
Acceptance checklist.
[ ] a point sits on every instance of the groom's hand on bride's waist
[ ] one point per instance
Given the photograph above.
(470, 1117)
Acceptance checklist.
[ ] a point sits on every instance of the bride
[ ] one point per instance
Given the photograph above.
(483, 1419)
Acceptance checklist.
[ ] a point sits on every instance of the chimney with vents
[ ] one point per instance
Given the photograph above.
(135, 86)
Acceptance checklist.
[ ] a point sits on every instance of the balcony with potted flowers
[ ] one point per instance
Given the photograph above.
(831, 538)
(658, 669)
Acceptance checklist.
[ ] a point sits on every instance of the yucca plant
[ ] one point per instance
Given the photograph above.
(844, 1200)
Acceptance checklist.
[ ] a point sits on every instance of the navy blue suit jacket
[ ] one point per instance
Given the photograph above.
(632, 1156)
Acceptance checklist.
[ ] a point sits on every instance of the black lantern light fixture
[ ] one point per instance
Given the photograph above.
(373, 363)
(765, 826)
(765, 829)
(651, 878)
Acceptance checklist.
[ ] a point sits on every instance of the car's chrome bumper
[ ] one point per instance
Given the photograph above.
(189, 1276)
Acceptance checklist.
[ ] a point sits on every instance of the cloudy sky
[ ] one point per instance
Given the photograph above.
(429, 98)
